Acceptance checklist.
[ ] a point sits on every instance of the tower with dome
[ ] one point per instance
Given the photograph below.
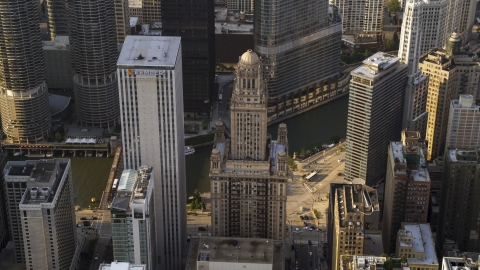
(249, 170)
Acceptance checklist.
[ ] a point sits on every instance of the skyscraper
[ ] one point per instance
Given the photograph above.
(47, 216)
(375, 109)
(407, 187)
(463, 130)
(452, 72)
(57, 19)
(434, 15)
(298, 43)
(352, 207)
(151, 11)
(24, 106)
(249, 172)
(133, 218)
(4, 230)
(414, 114)
(150, 84)
(122, 19)
(459, 203)
(361, 17)
(460, 17)
(94, 53)
(51, 181)
(194, 22)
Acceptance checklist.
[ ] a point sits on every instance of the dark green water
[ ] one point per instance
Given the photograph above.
(319, 124)
(89, 174)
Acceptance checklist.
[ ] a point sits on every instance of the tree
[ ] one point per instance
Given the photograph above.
(58, 136)
(193, 205)
(404, 258)
(393, 6)
(367, 53)
(202, 205)
(292, 164)
(388, 265)
(303, 152)
(335, 139)
(196, 193)
(389, 45)
(396, 40)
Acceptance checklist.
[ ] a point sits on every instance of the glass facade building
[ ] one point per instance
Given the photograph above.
(298, 43)
(193, 21)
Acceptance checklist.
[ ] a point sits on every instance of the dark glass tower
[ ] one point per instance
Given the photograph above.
(193, 21)
(299, 43)
(94, 58)
(24, 106)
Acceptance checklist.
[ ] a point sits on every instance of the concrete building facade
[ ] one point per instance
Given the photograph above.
(133, 226)
(459, 205)
(93, 48)
(460, 18)
(24, 107)
(299, 53)
(353, 209)
(20, 178)
(245, 6)
(433, 24)
(150, 84)
(122, 19)
(361, 17)
(375, 110)
(47, 215)
(57, 19)
(414, 114)
(463, 131)
(249, 171)
(407, 187)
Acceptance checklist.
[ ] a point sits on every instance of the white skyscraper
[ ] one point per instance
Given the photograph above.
(151, 111)
(43, 216)
(414, 115)
(463, 131)
(460, 18)
(434, 14)
(360, 16)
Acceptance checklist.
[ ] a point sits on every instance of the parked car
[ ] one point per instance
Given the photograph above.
(83, 218)
(96, 256)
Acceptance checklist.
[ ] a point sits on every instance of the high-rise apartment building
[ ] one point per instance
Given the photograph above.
(460, 17)
(414, 114)
(57, 19)
(375, 109)
(93, 47)
(4, 230)
(47, 215)
(43, 189)
(249, 172)
(407, 187)
(298, 42)
(151, 94)
(24, 105)
(415, 242)
(151, 11)
(433, 24)
(459, 203)
(133, 218)
(194, 22)
(361, 17)
(351, 206)
(240, 5)
(463, 131)
(122, 19)
(452, 72)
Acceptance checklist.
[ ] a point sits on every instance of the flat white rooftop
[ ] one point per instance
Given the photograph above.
(375, 65)
(122, 266)
(422, 243)
(149, 51)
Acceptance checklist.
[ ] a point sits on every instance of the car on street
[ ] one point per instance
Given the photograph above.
(313, 227)
(301, 217)
(94, 218)
(340, 160)
(96, 256)
(306, 217)
(86, 223)
(310, 229)
(79, 225)
(83, 218)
